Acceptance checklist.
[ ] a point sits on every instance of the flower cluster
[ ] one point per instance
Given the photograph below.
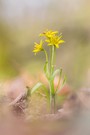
(51, 38)
(38, 47)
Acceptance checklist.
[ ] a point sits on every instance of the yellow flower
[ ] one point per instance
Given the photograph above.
(49, 33)
(38, 47)
(55, 40)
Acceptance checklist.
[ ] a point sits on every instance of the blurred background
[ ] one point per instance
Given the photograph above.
(21, 21)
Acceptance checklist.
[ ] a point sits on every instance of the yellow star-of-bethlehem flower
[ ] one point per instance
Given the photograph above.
(38, 47)
(49, 33)
(55, 40)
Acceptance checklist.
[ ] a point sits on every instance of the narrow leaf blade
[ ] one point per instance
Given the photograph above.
(46, 69)
(40, 85)
(36, 87)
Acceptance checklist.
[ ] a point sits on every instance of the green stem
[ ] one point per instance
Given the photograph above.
(46, 55)
(46, 66)
(52, 101)
(52, 59)
(51, 81)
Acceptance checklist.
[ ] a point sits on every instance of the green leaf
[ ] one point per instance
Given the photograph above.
(58, 71)
(38, 86)
(63, 83)
(60, 74)
(46, 69)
